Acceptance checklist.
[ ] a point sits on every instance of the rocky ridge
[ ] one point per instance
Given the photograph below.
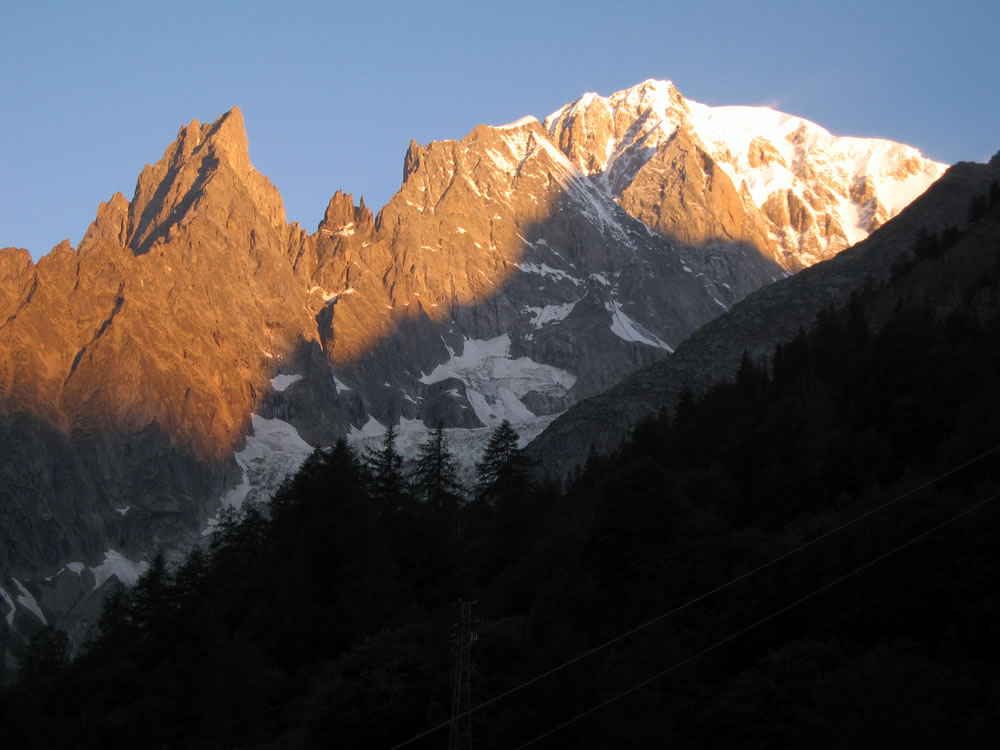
(147, 374)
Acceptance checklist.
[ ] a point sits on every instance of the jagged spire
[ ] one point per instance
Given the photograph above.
(412, 159)
(167, 190)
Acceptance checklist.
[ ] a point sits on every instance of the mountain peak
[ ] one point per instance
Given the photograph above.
(412, 159)
(655, 86)
(166, 191)
(228, 138)
(111, 224)
(816, 193)
(659, 96)
(343, 218)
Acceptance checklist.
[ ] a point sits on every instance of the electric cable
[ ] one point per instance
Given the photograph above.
(718, 644)
(701, 597)
(751, 523)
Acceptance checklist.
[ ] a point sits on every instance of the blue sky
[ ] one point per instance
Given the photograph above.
(332, 92)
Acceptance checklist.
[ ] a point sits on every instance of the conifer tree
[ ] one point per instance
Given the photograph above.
(928, 244)
(503, 466)
(385, 470)
(190, 579)
(435, 478)
(151, 600)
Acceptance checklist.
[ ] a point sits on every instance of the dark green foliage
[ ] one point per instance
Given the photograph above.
(435, 477)
(503, 469)
(385, 469)
(981, 205)
(928, 245)
(324, 619)
(902, 266)
(369, 692)
(978, 208)
(46, 657)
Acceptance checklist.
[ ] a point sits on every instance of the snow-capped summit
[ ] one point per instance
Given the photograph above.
(816, 193)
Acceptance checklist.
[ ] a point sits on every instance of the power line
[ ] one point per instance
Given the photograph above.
(758, 623)
(829, 626)
(246, 719)
(701, 544)
(701, 597)
(721, 536)
(270, 709)
(751, 523)
(461, 723)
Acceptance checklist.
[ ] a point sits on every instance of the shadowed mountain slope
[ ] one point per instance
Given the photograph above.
(881, 271)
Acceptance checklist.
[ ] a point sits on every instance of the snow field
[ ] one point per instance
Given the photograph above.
(495, 382)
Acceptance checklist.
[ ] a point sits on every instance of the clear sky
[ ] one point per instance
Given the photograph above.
(332, 92)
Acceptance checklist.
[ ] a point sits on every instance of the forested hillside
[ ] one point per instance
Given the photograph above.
(803, 557)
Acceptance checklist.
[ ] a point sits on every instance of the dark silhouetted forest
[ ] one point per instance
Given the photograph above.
(804, 557)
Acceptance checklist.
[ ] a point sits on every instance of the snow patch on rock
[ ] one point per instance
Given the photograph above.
(28, 602)
(282, 381)
(9, 616)
(524, 121)
(542, 316)
(624, 327)
(274, 449)
(495, 382)
(117, 565)
(371, 428)
(543, 269)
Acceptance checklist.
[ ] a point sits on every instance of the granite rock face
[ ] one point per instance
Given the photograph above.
(146, 374)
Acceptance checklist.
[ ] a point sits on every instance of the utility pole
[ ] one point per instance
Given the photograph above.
(460, 737)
